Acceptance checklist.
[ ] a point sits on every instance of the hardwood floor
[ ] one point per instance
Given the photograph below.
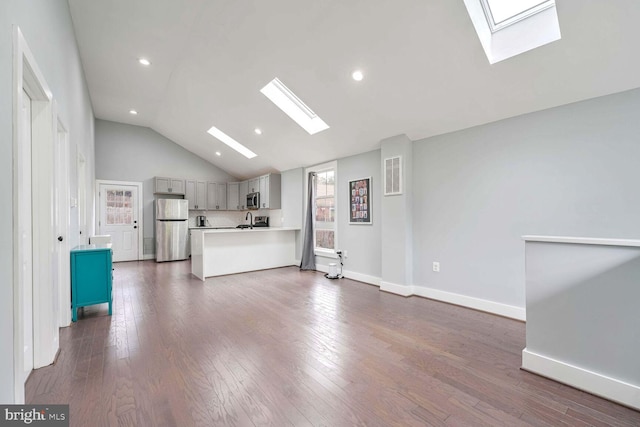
(283, 347)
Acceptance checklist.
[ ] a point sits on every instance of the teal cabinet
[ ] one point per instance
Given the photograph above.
(91, 277)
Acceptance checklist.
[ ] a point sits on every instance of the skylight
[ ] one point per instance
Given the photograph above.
(293, 106)
(507, 28)
(223, 137)
(502, 13)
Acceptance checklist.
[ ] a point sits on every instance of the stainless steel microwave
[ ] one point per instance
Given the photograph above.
(253, 201)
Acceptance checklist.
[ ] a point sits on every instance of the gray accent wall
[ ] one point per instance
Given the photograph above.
(134, 153)
(396, 242)
(47, 28)
(567, 171)
(362, 242)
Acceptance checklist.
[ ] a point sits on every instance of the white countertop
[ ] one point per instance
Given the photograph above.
(243, 230)
(582, 240)
(209, 227)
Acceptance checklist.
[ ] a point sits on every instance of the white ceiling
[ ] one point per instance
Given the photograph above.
(425, 70)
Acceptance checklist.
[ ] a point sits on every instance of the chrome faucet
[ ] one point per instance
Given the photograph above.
(247, 217)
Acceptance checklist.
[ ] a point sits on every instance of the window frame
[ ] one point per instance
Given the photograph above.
(497, 26)
(333, 165)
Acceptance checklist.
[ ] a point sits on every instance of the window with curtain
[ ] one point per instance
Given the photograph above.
(325, 207)
(325, 236)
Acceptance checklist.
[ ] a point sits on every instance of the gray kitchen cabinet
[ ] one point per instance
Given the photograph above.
(164, 185)
(243, 190)
(216, 196)
(233, 196)
(254, 185)
(270, 191)
(196, 193)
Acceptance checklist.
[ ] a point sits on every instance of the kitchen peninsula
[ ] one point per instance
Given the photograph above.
(215, 252)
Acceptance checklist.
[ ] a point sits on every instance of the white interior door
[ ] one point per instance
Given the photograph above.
(119, 204)
(24, 220)
(62, 219)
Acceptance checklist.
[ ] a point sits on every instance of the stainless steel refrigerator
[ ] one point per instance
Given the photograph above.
(172, 229)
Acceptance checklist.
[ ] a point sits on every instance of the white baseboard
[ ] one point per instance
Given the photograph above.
(510, 311)
(364, 278)
(394, 288)
(592, 382)
(492, 307)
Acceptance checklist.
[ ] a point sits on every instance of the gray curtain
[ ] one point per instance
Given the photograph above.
(308, 256)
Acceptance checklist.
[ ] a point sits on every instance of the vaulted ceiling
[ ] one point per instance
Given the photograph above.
(425, 72)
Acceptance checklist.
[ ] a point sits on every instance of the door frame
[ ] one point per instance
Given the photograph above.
(63, 182)
(28, 77)
(140, 210)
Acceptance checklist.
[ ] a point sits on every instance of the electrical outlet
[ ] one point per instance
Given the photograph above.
(436, 266)
(345, 254)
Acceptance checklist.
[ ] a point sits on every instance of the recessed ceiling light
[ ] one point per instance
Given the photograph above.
(258, 131)
(357, 75)
(144, 61)
(217, 133)
(293, 107)
(218, 153)
(133, 112)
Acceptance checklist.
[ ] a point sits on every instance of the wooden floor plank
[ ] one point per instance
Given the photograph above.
(290, 348)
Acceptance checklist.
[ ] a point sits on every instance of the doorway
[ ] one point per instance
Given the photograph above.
(35, 318)
(120, 216)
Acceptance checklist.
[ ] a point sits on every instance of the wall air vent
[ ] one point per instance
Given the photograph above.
(393, 176)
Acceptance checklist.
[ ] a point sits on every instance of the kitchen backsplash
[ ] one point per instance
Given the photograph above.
(233, 218)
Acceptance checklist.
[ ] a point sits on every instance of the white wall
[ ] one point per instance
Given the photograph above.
(134, 153)
(569, 171)
(47, 28)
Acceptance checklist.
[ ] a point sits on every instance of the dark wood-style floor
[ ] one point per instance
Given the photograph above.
(283, 347)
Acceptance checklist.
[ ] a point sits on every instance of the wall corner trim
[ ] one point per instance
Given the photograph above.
(394, 288)
(580, 378)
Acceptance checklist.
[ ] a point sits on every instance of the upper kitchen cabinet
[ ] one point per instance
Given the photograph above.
(270, 191)
(196, 193)
(243, 190)
(216, 196)
(169, 185)
(254, 185)
(233, 196)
